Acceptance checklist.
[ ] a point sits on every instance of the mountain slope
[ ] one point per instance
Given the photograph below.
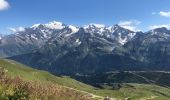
(36, 36)
(140, 91)
(151, 49)
(19, 82)
(27, 73)
(79, 50)
(93, 52)
(32, 38)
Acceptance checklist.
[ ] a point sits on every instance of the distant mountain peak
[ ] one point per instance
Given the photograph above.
(35, 26)
(93, 25)
(55, 25)
(117, 26)
(113, 28)
(74, 29)
(163, 31)
(50, 25)
(98, 25)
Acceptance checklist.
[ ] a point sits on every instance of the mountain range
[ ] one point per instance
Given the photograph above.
(94, 48)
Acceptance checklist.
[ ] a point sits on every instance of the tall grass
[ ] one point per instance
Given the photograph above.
(18, 89)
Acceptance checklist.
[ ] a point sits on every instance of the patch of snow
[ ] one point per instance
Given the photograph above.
(121, 40)
(73, 29)
(111, 29)
(1, 36)
(102, 30)
(78, 41)
(32, 36)
(160, 34)
(108, 36)
(131, 35)
(44, 32)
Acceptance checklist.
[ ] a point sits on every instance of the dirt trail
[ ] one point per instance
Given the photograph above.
(91, 95)
(149, 98)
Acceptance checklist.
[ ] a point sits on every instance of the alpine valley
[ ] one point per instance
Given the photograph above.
(110, 59)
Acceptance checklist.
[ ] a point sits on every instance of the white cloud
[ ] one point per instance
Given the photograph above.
(160, 26)
(164, 13)
(4, 5)
(130, 24)
(15, 30)
(154, 13)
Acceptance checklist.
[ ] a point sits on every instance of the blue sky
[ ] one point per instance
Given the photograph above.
(135, 14)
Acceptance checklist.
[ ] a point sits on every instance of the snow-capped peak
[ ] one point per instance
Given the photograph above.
(51, 25)
(163, 31)
(35, 25)
(55, 25)
(111, 29)
(94, 25)
(74, 29)
(114, 28)
(98, 25)
(95, 28)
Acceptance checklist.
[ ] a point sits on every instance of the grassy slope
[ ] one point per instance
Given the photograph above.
(27, 73)
(131, 91)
